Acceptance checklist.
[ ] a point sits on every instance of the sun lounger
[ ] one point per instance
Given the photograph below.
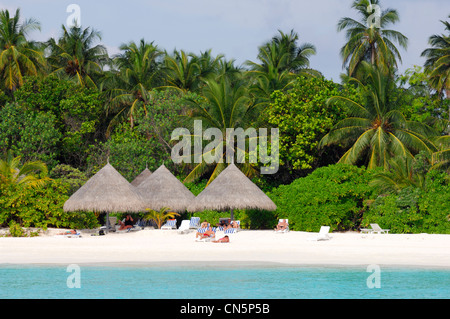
(194, 223)
(184, 227)
(170, 224)
(208, 238)
(230, 231)
(112, 224)
(377, 229)
(323, 234)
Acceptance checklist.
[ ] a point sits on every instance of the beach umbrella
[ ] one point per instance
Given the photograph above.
(107, 191)
(163, 189)
(141, 177)
(232, 190)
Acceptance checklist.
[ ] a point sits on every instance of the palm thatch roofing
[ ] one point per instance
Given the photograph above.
(232, 190)
(163, 189)
(141, 177)
(107, 191)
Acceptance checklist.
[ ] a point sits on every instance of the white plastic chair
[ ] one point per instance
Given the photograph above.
(184, 227)
(322, 235)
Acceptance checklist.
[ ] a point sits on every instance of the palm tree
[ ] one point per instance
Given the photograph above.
(283, 54)
(181, 71)
(159, 217)
(30, 174)
(370, 43)
(225, 105)
(437, 64)
(187, 71)
(441, 158)
(19, 57)
(280, 60)
(377, 128)
(136, 72)
(401, 173)
(76, 56)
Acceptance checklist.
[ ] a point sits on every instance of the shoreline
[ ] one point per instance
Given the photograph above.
(247, 248)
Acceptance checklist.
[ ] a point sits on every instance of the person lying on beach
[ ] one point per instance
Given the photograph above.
(282, 225)
(68, 232)
(126, 223)
(208, 233)
(225, 239)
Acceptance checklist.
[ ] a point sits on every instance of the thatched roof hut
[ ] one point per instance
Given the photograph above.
(232, 190)
(163, 189)
(107, 191)
(141, 177)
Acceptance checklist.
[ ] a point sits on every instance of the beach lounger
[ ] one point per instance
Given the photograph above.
(184, 227)
(170, 224)
(230, 231)
(194, 223)
(377, 229)
(323, 234)
(209, 238)
(112, 224)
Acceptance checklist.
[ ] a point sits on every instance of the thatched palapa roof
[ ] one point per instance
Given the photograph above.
(232, 190)
(141, 177)
(106, 191)
(163, 189)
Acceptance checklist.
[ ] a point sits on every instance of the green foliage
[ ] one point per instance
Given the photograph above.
(414, 210)
(303, 118)
(69, 175)
(40, 207)
(15, 230)
(147, 143)
(76, 110)
(30, 133)
(161, 216)
(332, 196)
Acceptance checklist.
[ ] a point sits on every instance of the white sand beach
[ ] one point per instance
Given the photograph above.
(246, 246)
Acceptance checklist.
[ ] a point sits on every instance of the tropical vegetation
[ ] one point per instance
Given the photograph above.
(373, 148)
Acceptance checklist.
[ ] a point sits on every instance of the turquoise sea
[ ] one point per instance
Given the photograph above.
(203, 282)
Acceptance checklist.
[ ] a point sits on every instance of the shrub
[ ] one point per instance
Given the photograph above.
(332, 196)
(414, 210)
(41, 207)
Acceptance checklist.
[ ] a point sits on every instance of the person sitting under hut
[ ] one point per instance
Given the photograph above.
(224, 222)
(126, 223)
(233, 224)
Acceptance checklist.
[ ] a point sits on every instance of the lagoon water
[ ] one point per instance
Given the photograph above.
(201, 282)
